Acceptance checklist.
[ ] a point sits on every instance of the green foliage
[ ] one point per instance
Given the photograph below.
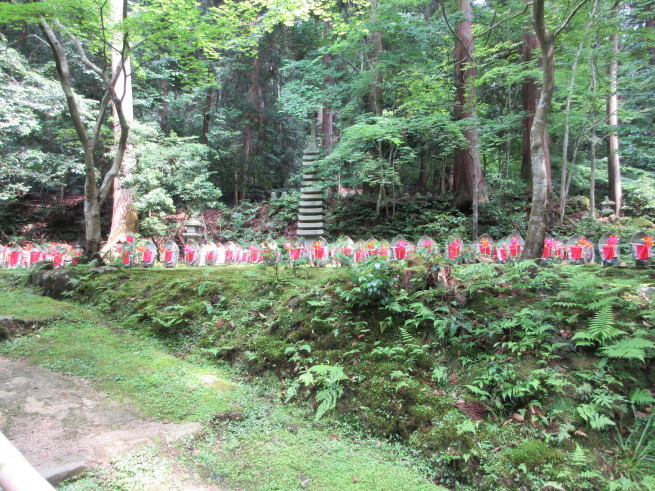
(326, 380)
(36, 150)
(373, 281)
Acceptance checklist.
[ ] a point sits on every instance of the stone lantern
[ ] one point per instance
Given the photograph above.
(194, 229)
(607, 207)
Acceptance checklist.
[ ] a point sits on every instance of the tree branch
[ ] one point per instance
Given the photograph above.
(504, 20)
(568, 19)
(63, 70)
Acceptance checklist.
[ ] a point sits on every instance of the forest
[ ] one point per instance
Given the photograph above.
(502, 113)
(432, 118)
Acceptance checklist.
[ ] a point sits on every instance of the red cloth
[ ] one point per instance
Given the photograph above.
(319, 252)
(130, 239)
(548, 251)
(608, 252)
(59, 259)
(14, 258)
(147, 256)
(359, 255)
(126, 258)
(643, 251)
(210, 255)
(168, 255)
(229, 255)
(502, 253)
(485, 250)
(295, 253)
(400, 252)
(35, 256)
(454, 251)
(514, 250)
(561, 253)
(190, 256)
(576, 252)
(347, 251)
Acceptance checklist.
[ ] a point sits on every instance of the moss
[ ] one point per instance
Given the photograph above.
(534, 455)
(443, 434)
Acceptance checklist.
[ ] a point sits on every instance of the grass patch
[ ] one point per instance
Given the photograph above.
(27, 307)
(131, 369)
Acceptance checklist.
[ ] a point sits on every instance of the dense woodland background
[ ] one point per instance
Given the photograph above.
(412, 96)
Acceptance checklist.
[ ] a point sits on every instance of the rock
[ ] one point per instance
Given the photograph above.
(647, 292)
(58, 282)
(10, 326)
(103, 269)
(57, 475)
(582, 203)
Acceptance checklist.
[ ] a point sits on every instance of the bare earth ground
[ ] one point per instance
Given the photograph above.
(63, 426)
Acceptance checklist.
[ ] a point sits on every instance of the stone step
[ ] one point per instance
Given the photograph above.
(312, 203)
(310, 218)
(310, 225)
(318, 210)
(310, 233)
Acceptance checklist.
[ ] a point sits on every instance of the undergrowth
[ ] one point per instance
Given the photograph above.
(502, 376)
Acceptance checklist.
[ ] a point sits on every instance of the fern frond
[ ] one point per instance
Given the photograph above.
(629, 349)
(641, 396)
(601, 302)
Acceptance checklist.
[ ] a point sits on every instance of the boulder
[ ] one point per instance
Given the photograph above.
(103, 269)
(58, 282)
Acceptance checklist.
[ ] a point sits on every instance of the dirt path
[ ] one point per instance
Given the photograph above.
(63, 426)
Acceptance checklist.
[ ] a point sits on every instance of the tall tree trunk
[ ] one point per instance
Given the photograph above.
(206, 116)
(164, 122)
(95, 194)
(534, 242)
(375, 42)
(567, 111)
(468, 180)
(254, 119)
(613, 158)
(327, 113)
(530, 95)
(124, 215)
(423, 171)
(537, 222)
(592, 176)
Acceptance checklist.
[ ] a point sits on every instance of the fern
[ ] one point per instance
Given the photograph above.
(593, 418)
(641, 397)
(327, 398)
(628, 349)
(601, 329)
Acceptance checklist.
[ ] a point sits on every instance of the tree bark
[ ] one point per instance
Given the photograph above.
(206, 116)
(468, 181)
(537, 222)
(530, 94)
(613, 157)
(375, 41)
(124, 218)
(94, 194)
(534, 242)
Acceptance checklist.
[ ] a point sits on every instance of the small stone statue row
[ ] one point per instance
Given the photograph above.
(14, 256)
(576, 250)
